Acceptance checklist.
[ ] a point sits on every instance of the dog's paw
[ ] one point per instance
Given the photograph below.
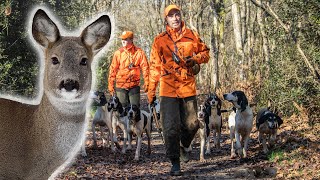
(203, 160)
(123, 151)
(84, 154)
(208, 152)
(233, 156)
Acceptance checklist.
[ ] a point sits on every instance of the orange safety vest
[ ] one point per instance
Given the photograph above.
(176, 80)
(125, 68)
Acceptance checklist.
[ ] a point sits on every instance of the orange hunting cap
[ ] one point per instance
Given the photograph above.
(126, 35)
(169, 8)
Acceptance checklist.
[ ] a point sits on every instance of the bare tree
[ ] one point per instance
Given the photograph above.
(237, 36)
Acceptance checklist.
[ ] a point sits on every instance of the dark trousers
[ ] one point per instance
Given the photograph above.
(127, 96)
(178, 118)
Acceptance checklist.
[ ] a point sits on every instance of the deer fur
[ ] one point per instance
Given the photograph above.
(37, 141)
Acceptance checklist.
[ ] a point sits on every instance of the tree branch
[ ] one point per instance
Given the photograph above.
(267, 9)
(287, 28)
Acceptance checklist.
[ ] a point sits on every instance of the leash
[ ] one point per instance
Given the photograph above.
(157, 122)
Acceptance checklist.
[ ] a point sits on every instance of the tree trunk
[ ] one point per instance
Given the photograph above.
(237, 36)
(251, 14)
(265, 44)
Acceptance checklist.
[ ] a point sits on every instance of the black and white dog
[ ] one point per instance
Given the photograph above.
(231, 125)
(118, 119)
(267, 123)
(99, 117)
(243, 120)
(213, 120)
(138, 121)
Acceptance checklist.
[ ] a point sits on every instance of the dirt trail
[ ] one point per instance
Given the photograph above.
(102, 163)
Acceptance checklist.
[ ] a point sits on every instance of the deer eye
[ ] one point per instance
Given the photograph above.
(55, 60)
(83, 61)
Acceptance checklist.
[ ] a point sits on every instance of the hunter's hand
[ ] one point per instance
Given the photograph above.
(190, 62)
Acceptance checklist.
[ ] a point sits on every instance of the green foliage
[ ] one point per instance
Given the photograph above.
(290, 80)
(18, 59)
(276, 155)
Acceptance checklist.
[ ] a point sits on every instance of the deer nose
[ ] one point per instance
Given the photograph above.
(69, 85)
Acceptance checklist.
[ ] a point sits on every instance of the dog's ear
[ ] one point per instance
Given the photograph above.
(125, 112)
(108, 107)
(126, 109)
(234, 109)
(138, 114)
(279, 120)
(242, 100)
(219, 107)
(208, 110)
(262, 119)
(119, 106)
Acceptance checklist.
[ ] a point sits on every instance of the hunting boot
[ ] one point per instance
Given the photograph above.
(175, 169)
(184, 155)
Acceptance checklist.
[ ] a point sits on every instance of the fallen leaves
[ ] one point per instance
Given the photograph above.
(296, 155)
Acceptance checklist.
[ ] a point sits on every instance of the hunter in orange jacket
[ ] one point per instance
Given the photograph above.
(176, 80)
(125, 68)
(175, 54)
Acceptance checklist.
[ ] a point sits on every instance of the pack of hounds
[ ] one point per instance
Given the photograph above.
(134, 122)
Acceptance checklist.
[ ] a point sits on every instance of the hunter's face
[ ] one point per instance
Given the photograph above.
(174, 19)
(126, 42)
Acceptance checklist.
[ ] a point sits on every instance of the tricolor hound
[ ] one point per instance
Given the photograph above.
(118, 119)
(267, 124)
(138, 121)
(213, 120)
(243, 120)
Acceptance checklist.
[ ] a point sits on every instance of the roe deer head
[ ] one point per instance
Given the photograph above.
(36, 141)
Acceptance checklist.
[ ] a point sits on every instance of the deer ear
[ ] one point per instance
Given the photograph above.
(97, 34)
(44, 30)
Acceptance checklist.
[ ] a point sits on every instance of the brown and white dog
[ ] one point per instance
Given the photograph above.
(267, 124)
(138, 121)
(243, 120)
(213, 120)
